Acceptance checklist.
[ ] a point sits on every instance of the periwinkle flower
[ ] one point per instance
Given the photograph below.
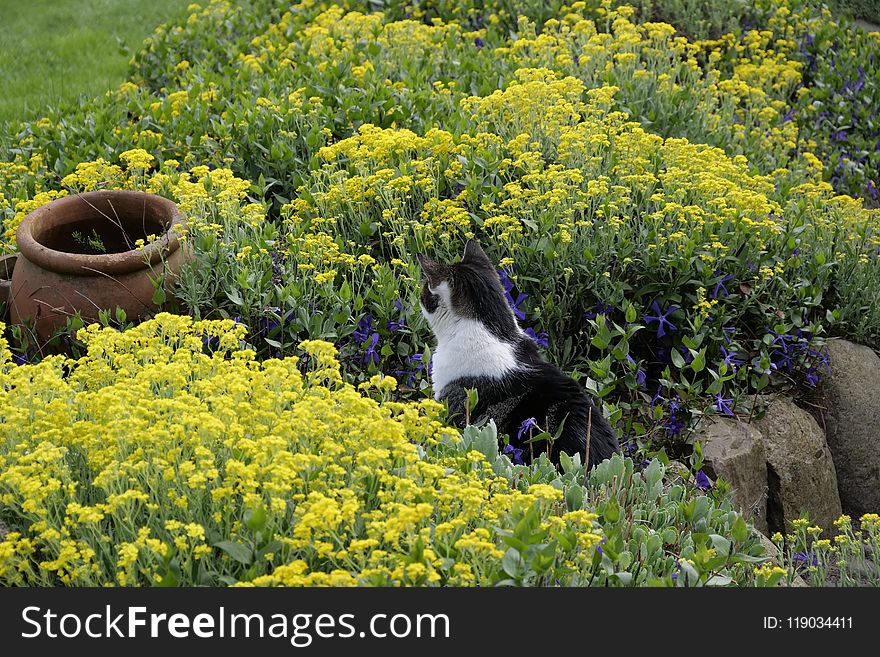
(508, 285)
(514, 453)
(722, 405)
(528, 423)
(541, 339)
(703, 482)
(364, 329)
(371, 354)
(661, 319)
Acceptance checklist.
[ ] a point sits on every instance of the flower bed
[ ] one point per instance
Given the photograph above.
(167, 455)
(663, 210)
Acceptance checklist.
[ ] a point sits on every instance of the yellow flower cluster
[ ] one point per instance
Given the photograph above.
(162, 439)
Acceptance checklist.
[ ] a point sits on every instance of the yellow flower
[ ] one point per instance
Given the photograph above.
(137, 158)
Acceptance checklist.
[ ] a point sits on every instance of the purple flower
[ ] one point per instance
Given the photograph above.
(371, 354)
(810, 558)
(396, 325)
(415, 366)
(674, 425)
(528, 423)
(641, 377)
(660, 318)
(478, 42)
(703, 482)
(541, 339)
(719, 286)
(722, 405)
(363, 330)
(514, 453)
(822, 358)
(601, 309)
(786, 359)
(782, 339)
(686, 354)
(507, 284)
(730, 359)
(657, 396)
(812, 377)
(268, 324)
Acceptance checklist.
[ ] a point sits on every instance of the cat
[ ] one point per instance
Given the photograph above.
(481, 346)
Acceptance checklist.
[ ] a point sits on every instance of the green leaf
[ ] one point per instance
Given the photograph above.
(257, 519)
(159, 296)
(612, 511)
(740, 530)
(574, 497)
(512, 563)
(234, 297)
(699, 361)
(237, 551)
(677, 358)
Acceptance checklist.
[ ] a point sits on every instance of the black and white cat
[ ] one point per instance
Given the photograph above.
(481, 346)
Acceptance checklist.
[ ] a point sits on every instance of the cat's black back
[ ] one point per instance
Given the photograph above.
(542, 392)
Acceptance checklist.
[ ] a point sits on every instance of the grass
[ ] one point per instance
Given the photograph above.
(55, 50)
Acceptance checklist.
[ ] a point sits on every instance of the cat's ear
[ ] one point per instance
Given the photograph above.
(474, 253)
(432, 270)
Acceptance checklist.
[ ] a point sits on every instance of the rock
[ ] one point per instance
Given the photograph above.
(800, 471)
(678, 470)
(852, 424)
(867, 25)
(735, 451)
(770, 548)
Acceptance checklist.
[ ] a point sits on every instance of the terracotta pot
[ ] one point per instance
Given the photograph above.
(56, 276)
(7, 266)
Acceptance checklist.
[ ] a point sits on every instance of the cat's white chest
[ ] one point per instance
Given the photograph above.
(467, 349)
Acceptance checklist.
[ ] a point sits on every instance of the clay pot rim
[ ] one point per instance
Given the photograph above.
(81, 264)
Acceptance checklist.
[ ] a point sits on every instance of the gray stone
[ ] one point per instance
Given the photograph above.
(852, 424)
(866, 25)
(735, 451)
(678, 472)
(800, 470)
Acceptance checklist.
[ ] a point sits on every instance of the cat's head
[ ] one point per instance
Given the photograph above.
(466, 290)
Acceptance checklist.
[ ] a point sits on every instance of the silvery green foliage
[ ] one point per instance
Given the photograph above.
(656, 532)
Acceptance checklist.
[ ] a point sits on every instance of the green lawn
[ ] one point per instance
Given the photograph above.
(52, 50)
